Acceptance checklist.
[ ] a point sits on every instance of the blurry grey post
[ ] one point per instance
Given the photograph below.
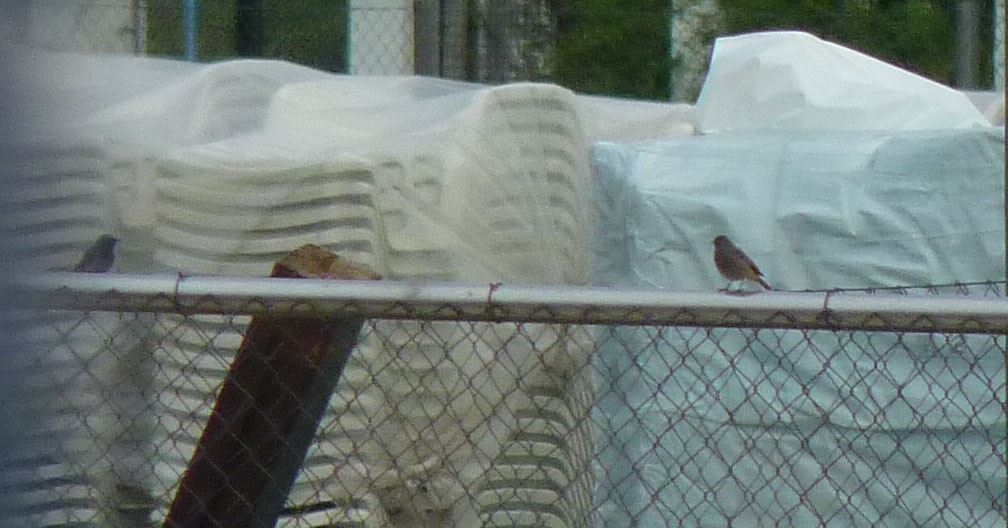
(100, 257)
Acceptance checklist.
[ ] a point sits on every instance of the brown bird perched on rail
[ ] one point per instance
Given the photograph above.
(734, 264)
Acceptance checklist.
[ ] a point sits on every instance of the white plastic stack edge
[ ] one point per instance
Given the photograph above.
(513, 207)
(222, 169)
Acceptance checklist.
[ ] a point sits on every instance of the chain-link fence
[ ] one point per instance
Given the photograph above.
(381, 37)
(538, 407)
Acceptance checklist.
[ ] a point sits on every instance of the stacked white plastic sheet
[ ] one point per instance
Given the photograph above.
(221, 169)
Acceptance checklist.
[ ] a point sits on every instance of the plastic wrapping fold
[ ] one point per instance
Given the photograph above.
(832, 170)
(223, 168)
(790, 80)
(842, 209)
(704, 426)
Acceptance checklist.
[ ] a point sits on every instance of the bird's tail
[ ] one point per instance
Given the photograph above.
(763, 283)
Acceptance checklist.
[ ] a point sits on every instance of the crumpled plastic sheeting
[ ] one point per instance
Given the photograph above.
(814, 210)
(628, 120)
(792, 80)
(459, 181)
(224, 168)
(141, 144)
(840, 429)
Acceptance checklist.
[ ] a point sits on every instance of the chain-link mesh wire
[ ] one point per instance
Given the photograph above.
(381, 37)
(461, 423)
(757, 427)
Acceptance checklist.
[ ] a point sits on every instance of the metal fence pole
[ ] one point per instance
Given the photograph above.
(269, 409)
(999, 45)
(428, 37)
(190, 21)
(140, 27)
(249, 27)
(507, 303)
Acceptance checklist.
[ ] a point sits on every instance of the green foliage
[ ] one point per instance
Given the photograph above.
(617, 48)
(309, 32)
(917, 35)
(612, 48)
(215, 29)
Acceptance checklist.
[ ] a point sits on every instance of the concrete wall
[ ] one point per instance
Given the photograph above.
(108, 26)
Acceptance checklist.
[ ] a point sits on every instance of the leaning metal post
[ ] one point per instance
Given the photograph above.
(269, 408)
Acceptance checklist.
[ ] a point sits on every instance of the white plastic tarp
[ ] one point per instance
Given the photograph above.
(224, 168)
(837, 430)
(839, 209)
(788, 80)
(142, 146)
(719, 427)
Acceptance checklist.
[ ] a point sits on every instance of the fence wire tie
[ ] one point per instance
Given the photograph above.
(175, 293)
(826, 313)
(493, 289)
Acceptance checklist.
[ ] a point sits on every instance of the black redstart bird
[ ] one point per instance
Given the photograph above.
(100, 257)
(734, 264)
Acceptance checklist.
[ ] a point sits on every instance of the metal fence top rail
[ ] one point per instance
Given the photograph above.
(506, 303)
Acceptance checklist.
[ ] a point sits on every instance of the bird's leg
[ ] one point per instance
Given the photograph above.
(740, 289)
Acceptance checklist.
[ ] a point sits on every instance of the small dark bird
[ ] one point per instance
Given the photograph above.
(100, 257)
(734, 264)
